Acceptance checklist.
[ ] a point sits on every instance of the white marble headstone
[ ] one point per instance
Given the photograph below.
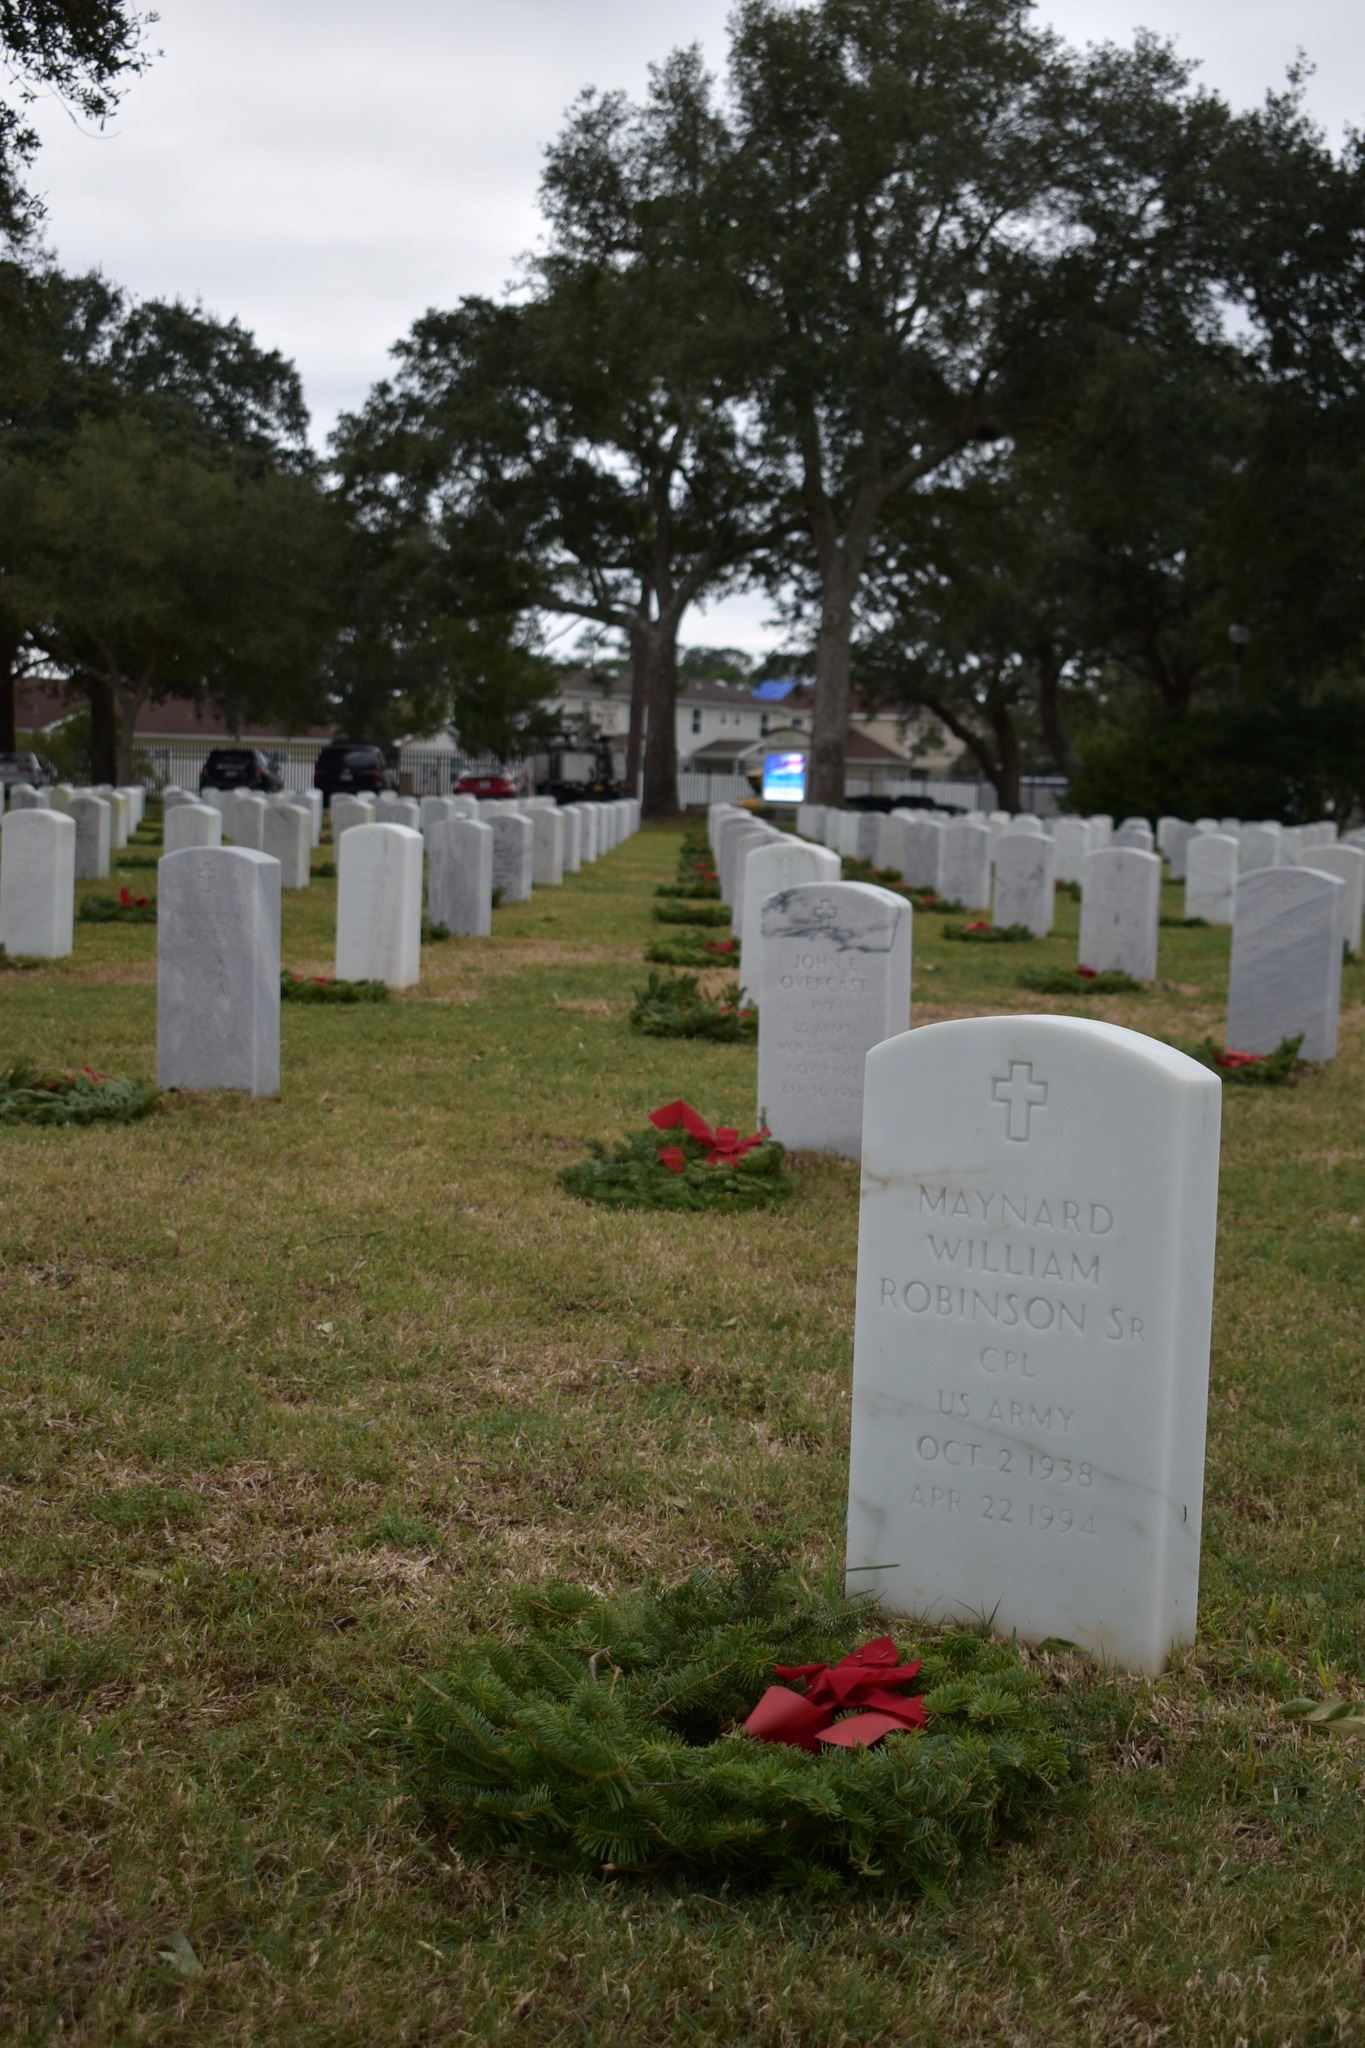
(435, 810)
(1211, 876)
(90, 816)
(1347, 863)
(348, 811)
(218, 970)
(1120, 910)
(287, 836)
(192, 824)
(1260, 847)
(1030, 1378)
(1070, 840)
(573, 839)
(1285, 975)
(1025, 890)
(923, 852)
(588, 818)
(460, 878)
(37, 883)
(965, 864)
(769, 868)
(513, 856)
(379, 905)
(547, 851)
(834, 980)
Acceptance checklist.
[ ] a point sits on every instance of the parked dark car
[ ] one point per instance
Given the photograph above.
(29, 768)
(238, 768)
(490, 787)
(344, 766)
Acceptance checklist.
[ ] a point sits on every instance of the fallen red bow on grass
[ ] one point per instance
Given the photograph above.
(982, 925)
(1233, 1058)
(1087, 973)
(867, 1679)
(725, 946)
(725, 1145)
(128, 901)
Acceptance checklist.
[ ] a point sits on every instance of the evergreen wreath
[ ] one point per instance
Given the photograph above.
(674, 1006)
(605, 1738)
(692, 950)
(697, 891)
(325, 988)
(673, 911)
(983, 933)
(1184, 924)
(1249, 1069)
(697, 1169)
(695, 851)
(70, 1095)
(1081, 981)
(125, 908)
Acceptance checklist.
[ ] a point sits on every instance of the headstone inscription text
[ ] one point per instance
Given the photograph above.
(1031, 1354)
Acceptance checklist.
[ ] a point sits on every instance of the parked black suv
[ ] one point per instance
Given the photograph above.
(238, 768)
(29, 768)
(344, 766)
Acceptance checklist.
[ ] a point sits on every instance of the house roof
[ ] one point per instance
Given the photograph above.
(789, 740)
(40, 706)
(862, 747)
(721, 753)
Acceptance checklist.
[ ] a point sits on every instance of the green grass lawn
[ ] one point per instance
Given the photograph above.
(296, 1390)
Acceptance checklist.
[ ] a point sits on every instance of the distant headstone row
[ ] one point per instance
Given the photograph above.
(218, 904)
(1295, 896)
(222, 904)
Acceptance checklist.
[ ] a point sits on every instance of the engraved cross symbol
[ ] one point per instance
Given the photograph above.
(1021, 1095)
(824, 910)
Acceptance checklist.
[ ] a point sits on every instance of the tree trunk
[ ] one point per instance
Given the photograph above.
(1050, 718)
(660, 796)
(129, 703)
(103, 730)
(829, 725)
(639, 708)
(9, 654)
(1006, 754)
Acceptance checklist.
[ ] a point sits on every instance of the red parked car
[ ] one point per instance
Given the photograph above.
(487, 786)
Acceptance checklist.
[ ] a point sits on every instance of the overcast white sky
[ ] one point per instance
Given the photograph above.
(325, 170)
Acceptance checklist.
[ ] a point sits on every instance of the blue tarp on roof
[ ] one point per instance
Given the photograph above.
(773, 693)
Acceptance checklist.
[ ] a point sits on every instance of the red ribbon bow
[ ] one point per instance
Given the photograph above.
(724, 1145)
(866, 1679)
(1233, 1058)
(982, 925)
(1087, 973)
(128, 901)
(719, 946)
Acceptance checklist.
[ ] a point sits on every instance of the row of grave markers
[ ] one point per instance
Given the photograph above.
(218, 933)
(66, 835)
(1035, 1264)
(218, 907)
(838, 979)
